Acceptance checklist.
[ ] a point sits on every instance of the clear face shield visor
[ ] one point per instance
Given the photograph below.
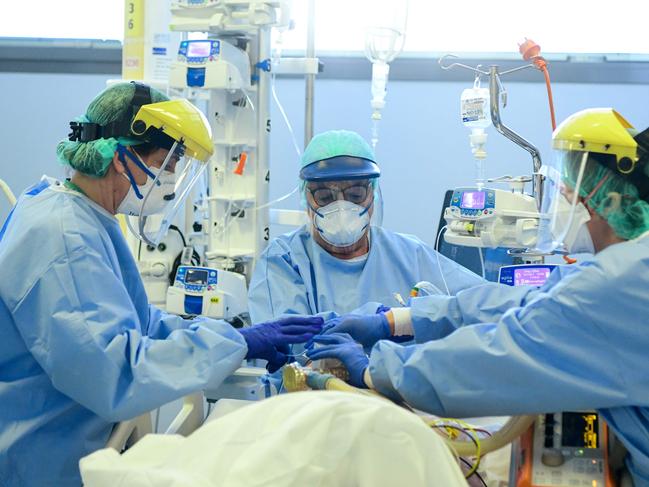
(559, 209)
(162, 199)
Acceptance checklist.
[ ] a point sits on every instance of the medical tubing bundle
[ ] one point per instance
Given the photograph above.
(439, 264)
(468, 430)
(510, 431)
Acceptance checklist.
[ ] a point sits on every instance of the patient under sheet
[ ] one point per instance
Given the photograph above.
(305, 438)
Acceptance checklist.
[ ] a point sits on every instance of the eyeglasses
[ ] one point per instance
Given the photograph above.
(356, 194)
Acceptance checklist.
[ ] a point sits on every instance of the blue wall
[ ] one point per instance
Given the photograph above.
(423, 148)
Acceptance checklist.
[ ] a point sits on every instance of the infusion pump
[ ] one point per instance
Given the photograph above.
(491, 218)
(207, 292)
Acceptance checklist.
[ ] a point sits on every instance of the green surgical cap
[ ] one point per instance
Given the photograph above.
(93, 158)
(336, 143)
(616, 200)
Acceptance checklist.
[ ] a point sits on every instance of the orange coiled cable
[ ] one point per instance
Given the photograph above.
(531, 52)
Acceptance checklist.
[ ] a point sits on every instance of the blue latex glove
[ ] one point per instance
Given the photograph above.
(383, 309)
(270, 341)
(344, 348)
(365, 329)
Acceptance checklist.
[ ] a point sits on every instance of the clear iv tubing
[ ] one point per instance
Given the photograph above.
(232, 218)
(439, 264)
(480, 175)
(284, 117)
(481, 262)
(229, 218)
(375, 132)
(294, 140)
(295, 145)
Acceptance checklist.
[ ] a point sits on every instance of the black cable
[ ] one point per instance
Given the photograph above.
(174, 227)
(475, 472)
(196, 259)
(462, 430)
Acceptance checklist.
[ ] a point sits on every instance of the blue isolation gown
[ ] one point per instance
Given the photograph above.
(294, 275)
(80, 347)
(580, 342)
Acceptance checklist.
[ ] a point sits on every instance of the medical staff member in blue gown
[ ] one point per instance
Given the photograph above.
(341, 259)
(579, 342)
(80, 346)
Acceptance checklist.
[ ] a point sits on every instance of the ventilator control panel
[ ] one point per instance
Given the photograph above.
(569, 450)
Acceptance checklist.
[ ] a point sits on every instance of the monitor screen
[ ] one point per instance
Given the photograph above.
(196, 276)
(473, 200)
(579, 430)
(199, 49)
(531, 276)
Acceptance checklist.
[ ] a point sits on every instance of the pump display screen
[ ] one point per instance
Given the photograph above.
(199, 49)
(579, 430)
(196, 276)
(473, 200)
(531, 276)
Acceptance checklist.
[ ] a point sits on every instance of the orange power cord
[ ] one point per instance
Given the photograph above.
(531, 51)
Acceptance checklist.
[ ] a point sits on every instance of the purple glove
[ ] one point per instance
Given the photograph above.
(344, 348)
(269, 341)
(365, 329)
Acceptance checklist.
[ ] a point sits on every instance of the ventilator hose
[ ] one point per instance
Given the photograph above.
(510, 431)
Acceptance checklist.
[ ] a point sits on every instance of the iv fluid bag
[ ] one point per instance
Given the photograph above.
(475, 108)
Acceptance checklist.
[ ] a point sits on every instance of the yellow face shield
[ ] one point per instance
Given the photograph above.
(176, 120)
(180, 127)
(588, 135)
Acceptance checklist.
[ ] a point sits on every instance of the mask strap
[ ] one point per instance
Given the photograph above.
(367, 209)
(136, 160)
(121, 152)
(596, 188)
(314, 210)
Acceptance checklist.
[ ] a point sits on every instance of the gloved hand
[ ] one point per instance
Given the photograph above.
(344, 348)
(269, 341)
(383, 309)
(365, 329)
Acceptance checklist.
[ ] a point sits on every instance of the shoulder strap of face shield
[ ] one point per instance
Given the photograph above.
(89, 131)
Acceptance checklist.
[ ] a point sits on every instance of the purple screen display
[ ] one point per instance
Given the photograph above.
(199, 49)
(473, 200)
(533, 276)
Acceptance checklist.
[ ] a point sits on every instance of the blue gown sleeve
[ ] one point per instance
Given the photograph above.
(80, 324)
(575, 346)
(161, 324)
(276, 287)
(435, 317)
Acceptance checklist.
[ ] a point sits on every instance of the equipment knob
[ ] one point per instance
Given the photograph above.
(552, 457)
